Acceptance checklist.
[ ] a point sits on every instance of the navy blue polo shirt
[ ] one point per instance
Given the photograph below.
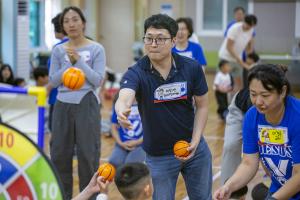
(166, 106)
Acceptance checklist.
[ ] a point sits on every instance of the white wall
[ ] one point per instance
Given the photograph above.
(8, 35)
(116, 32)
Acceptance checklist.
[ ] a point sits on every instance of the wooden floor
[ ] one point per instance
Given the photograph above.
(213, 133)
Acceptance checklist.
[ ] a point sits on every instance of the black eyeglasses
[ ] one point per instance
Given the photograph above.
(158, 41)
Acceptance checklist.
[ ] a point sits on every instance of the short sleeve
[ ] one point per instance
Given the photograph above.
(217, 79)
(232, 32)
(130, 80)
(250, 145)
(199, 82)
(200, 56)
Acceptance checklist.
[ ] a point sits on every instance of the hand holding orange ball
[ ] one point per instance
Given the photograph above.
(107, 171)
(181, 148)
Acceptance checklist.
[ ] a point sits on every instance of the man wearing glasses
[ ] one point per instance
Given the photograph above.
(165, 84)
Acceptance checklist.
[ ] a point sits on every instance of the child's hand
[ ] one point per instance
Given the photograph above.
(126, 146)
(103, 185)
(132, 143)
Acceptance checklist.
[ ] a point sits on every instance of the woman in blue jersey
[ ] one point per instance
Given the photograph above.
(185, 47)
(271, 134)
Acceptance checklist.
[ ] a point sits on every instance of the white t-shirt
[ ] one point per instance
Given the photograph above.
(102, 197)
(240, 37)
(222, 80)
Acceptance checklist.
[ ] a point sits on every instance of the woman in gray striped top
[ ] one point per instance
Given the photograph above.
(76, 116)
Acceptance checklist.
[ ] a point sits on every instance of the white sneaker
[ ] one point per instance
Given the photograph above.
(186, 198)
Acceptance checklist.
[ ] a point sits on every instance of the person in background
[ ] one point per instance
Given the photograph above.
(52, 92)
(128, 141)
(223, 84)
(19, 82)
(270, 134)
(239, 15)
(76, 112)
(239, 38)
(183, 46)
(41, 76)
(251, 60)
(6, 74)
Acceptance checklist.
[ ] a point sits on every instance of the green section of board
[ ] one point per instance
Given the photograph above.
(44, 181)
(2, 197)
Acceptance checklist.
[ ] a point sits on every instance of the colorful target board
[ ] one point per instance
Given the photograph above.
(25, 171)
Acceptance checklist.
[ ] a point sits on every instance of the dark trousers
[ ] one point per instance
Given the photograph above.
(222, 103)
(76, 124)
(245, 78)
(51, 108)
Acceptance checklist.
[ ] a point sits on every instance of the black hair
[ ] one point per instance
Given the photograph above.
(260, 191)
(271, 76)
(129, 176)
(222, 63)
(18, 81)
(67, 9)
(161, 21)
(40, 72)
(253, 56)
(189, 24)
(239, 8)
(57, 24)
(10, 80)
(251, 20)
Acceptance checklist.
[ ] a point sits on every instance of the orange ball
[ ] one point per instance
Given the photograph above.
(180, 148)
(107, 171)
(73, 78)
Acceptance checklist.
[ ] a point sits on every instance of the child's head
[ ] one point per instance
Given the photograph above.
(20, 82)
(134, 181)
(40, 75)
(224, 66)
(252, 58)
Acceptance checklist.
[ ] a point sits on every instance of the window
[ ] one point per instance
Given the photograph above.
(214, 15)
(34, 26)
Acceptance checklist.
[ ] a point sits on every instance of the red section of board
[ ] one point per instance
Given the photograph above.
(19, 190)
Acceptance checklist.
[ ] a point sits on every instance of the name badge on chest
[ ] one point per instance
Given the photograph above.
(273, 135)
(170, 92)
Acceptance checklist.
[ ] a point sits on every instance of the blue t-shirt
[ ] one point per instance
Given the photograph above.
(135, 119)
(166, 106)
(194, 51)
(278, 146)
(53, 92)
